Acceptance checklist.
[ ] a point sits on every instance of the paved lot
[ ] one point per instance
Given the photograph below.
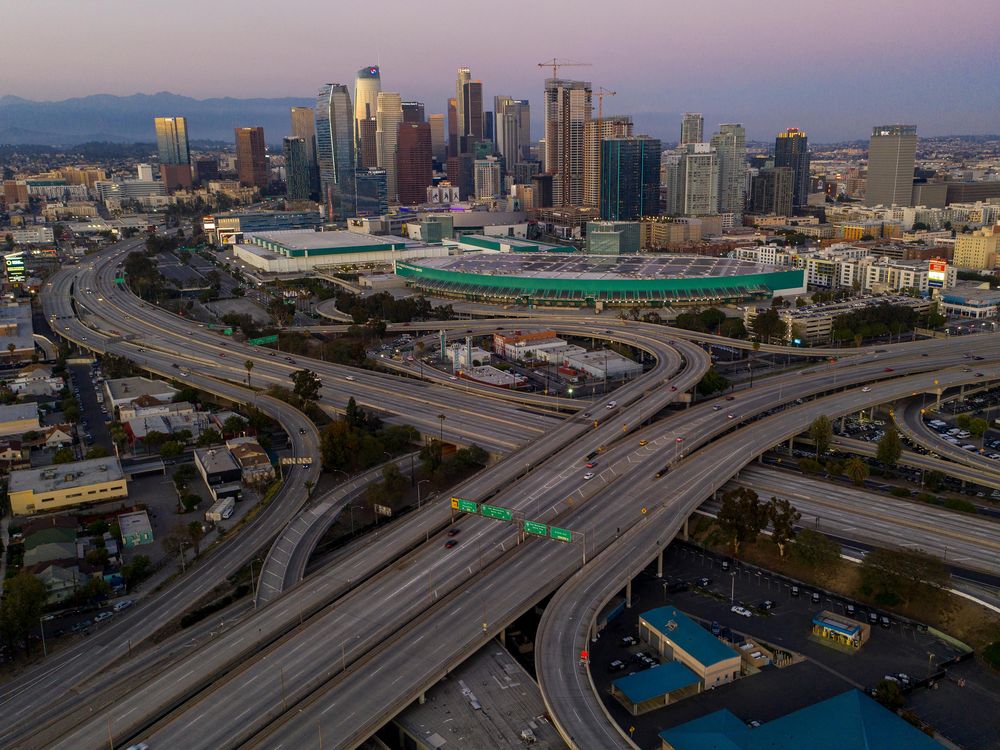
(90, 409)
(775, 692)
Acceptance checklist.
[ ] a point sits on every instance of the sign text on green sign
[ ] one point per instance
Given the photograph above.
(536, 528)
(467, 506)
(561, 535)
(492, 511)
(263, 340)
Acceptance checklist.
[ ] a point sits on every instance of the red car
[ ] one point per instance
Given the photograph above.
(450, 543)
(673, 387)
(887, 369)
(591, 464)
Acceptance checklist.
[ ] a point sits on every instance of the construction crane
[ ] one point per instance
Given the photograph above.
(601, 93)
(556, 63)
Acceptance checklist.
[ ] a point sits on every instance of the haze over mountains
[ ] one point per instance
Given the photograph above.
(126, 119)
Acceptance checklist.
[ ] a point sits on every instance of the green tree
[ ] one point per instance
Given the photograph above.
(306, 385)
(63, 456)
(712, 382)
(431, 457)
(964, 421)
(742, 516)
(155, 439)
(171, 449)
(768, 324)
(98, 451)
(890, 447)
(234, 425)
(816, 550)
(783, 517)
(856, 469)
(137, 571)
(209, 437)
(821, 432)
(978, 426)
(195, 533)
(902, 575)
(889, 694)
(249, 366)
(21, 608)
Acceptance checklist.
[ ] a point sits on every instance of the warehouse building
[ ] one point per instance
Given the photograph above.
(49, 488)
(655, 687)
(676, 637)
(220, 471)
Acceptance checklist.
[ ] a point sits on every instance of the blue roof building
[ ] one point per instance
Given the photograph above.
(655, 687)
(849, 721)
(679, 638)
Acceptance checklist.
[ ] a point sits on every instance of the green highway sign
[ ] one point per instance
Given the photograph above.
(533, 527)
(467, 506)
(560, 535)
(119, 279)
(492, 511)
(227, 331)
(273, 339)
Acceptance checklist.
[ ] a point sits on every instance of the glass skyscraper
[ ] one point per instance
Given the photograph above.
(335, 149)
(630, 178)
(172, 140)
(791, 149)
(297, 168)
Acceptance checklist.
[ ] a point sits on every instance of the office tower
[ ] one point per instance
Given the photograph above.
(439, 147)
(206, 169)
(692, 179)
(568, 107)
(144, 172)
(892, 152)
(413, 112)
(172, 140)
(335, 149)
(730, 149)
(771, 191)
(472, 114)
(594, 132)
(487, 178)
(489, 128)
(791, 149)
(414, 168)
(464, 76)
(630, 178)
(523, 171)
(692, 128)
(388, 117)
(452, 127)
(367, 154)
(251, 158)
(512, 129)
(541, 189)
(367, 85)
(297, 168)
(371, 196)
(304, 127)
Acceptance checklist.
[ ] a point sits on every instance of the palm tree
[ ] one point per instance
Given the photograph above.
(856, 470)
(249, 365)
(10, 348)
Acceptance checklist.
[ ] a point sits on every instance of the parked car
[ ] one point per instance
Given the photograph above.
(616, 666)
(767, 605)
(716, 628)
(736, 609)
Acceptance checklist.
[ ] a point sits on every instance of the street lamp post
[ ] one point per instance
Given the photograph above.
(41, 626)
(422, 481)
(441, 418)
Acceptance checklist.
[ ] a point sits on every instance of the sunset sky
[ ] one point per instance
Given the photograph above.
(832, 68)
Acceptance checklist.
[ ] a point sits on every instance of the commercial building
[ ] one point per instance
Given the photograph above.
(791, 149)
(891, 156)
(439, 146)
(655, 687)
(135, 528)
(489, 375)
(512, 118)
(692, 180)
(220, 471)
(17, 419)
(371, 193)
(304, 127)
(254, 463)
(629, 178)
(49, 488)
(590, 280)
(840, 630)
(335, 147)
(613, 237)
(413, 113)
(463, 355)
(414, 162)
(692, 128)
(977, 303)
(388, 118)
(16, 329)
(771, 192)
(730, 147)
(251, 158)
(228, 228)
(568, 106)
(487, 178)
(298, 251)
(978, 250)
(124, 391)
(298, 170)
(676, 637)
(367, 85)
(594, 133)
(849, 720)
(172, 140)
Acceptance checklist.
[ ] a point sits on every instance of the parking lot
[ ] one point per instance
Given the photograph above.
(824, 672)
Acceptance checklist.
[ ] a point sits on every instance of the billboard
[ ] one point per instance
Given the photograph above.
(937, 272)
(14, 266)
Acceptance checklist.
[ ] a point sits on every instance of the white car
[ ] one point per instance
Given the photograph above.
(123, 604)
(741, 611)
(611, 404)
(589, 475)
(349, 377)
(101, 616)
(866, 389)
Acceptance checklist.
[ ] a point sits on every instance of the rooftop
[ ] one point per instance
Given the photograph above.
(688, 635)
(18, 412)
(216, 459)
(131, 388)
(18, 318)
(132, 524)
(659, 680)
(596, 267)
(307, 239)
(66, 476)
(849, 721)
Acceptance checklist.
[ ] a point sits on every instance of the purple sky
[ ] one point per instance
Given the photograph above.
(833, 68)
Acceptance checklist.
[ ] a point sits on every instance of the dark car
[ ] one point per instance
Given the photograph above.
(795, 591)
(885, 622)
(678, 586)
(815, 597)
(704, 583)
(616, 666)
(453, 531)
(767, 605)
(450, 543)
(850, 610)
(628, 640)
(873, 618)
(716, 628)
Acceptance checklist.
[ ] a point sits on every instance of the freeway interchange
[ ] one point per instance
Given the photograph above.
(351, 645)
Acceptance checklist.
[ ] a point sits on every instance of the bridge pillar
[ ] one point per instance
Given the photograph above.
(684, 530)
(503, 635)
(628, 594)
(659, 565)
(422, 698)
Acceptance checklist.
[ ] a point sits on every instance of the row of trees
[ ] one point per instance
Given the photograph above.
(742, 518)
(360, 440)
(384, 306)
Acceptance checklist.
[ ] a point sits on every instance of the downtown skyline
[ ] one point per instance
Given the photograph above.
(790, 67)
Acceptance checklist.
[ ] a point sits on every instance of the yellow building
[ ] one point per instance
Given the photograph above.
(61, 486)
(977, 250)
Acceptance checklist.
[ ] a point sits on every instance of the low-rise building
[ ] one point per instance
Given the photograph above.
(123, 391)
(17, 419)
(135, 528)
(252, 459)
(35, 380)
(461, 355)
(656, 687)
(67, 485)
(605, 364)
(492, 376)
(17, 340)
(978, 303)
(676, 637)
(220, 471)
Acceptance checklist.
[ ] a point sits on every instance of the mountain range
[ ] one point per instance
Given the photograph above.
(126, 119)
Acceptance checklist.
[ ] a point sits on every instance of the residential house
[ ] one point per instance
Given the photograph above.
(253, 460)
